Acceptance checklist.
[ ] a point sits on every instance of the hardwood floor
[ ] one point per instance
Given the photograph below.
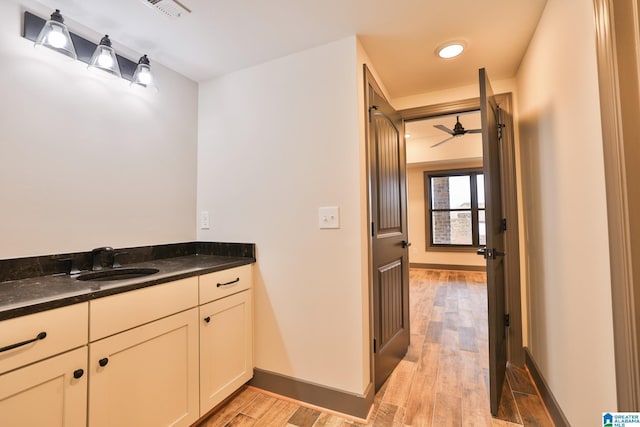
(442, 380)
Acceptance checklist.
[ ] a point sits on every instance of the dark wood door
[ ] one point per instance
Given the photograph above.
(390, 267)
(494, 251)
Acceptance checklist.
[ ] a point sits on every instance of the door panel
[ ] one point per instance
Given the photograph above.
(388, 179)
(389, 259)
(494, 251)
(391, 319)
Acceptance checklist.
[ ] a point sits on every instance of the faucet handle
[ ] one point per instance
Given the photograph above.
(116, 264)
(101, 249)
(96, 255)
(69, 266)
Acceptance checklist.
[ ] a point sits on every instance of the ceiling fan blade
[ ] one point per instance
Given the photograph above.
(473, 131)
(444, 129)
(443, 141)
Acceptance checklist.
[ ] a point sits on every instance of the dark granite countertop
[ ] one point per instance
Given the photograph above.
(27, 295)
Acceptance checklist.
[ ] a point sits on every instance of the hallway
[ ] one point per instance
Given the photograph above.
(442, 380)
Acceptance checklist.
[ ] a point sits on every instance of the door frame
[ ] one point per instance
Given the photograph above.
(617, 35)
(515, 348)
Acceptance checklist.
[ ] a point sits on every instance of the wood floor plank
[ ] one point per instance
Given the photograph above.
(241, 420)
(389, 415)
(399, 385)
(328, 420)
(532, 410)
(434, 332)
(448, 410)
(508, 410)
(278, 414)
(259, 406)
(467, 339)
(304, 417)
(520, 380)
(231, 409)
(441, 297)
(451, 320)
(415, 348)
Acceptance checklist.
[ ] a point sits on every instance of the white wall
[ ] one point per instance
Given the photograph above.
(453, 94)
(570, 332)
(86, 162)
(276, 142)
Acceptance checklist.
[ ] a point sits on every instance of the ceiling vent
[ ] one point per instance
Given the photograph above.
(170, 8)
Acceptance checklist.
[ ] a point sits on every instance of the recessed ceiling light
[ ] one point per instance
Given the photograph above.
(407, 135)
(450, 50)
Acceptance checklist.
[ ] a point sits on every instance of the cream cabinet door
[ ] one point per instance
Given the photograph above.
(226, 348)
(46, 393)
(146, 376)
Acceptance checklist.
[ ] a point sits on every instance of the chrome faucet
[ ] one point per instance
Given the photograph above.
(96, 257)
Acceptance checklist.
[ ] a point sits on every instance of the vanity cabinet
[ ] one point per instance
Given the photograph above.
(162, 355)
(143, 369)
(226, 348)
(226, 334)
(43, 364)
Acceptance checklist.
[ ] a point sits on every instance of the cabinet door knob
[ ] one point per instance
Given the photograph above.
(207, 319)
(103, 362)
(78, 373)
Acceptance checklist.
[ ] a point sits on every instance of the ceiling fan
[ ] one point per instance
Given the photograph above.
(458, 130)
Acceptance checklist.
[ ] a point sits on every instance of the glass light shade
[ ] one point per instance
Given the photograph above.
(104, 58)
(55, 36)
(142, 76)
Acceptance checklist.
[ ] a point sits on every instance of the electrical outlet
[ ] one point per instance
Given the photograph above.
(204, 220)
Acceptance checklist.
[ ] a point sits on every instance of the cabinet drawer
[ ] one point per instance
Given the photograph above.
(226, 282)
(65, 328)
(118, 313)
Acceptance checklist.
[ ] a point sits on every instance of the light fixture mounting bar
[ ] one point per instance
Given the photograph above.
(84, 48)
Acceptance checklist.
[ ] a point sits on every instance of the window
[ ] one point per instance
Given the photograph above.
(456, 211)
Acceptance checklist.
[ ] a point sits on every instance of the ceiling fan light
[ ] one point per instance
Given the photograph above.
(450, 50)
(55, 36)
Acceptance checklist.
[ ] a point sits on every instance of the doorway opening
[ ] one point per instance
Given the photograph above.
(445, 192)
(459, 155)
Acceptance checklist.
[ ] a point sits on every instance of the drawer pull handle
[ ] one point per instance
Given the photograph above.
(41, 336)
(229, 283)
(103, 362)
(78, 373)
(207, 319)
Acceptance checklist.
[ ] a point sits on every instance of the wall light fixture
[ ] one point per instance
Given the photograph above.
(142, 76)
(104, 58)
(54, 34)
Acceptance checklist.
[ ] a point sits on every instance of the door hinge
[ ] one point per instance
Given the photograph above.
(374, 345)
(504, 224)
(373, 107)
(372, 230)
(506, 320)
(500, 124)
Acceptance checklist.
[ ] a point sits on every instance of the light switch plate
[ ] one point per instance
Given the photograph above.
(329, 217)
(204, 220)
